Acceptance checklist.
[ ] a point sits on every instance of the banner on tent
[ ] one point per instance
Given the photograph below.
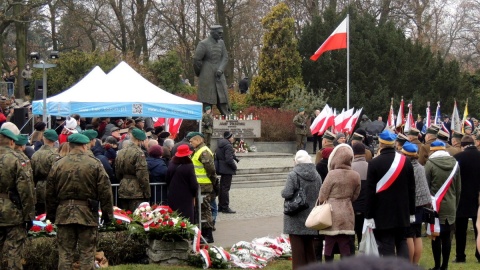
(239, 128)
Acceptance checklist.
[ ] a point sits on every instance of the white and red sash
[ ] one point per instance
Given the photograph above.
(392, 174)
(437, 200)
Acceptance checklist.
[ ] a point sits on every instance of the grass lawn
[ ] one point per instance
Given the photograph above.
(426, 261)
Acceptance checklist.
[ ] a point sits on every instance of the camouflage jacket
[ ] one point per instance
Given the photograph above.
(29, 171)
(300, 122)
(131, 169)
(14, 179)
(207, 123)
(42, 162)
(77, 176)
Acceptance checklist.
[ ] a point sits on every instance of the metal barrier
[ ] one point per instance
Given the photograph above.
(154, 193)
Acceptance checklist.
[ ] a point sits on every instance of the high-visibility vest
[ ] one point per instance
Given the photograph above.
(200, 171)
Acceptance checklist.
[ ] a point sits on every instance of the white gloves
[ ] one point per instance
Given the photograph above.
(368, 223)
(412, 218)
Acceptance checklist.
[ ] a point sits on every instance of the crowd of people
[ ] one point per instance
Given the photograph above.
(67, 172)
(401, 190)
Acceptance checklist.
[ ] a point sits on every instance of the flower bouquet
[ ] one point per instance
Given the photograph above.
(160, 222)
(121, 221)
(42, 228)
(211, 257)
(241, 146)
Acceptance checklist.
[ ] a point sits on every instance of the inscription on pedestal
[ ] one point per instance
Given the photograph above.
(239, 128)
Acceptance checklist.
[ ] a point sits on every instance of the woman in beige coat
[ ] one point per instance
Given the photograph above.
(340, 188)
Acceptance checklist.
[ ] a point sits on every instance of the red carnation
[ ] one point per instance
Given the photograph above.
(183, 224)
(35, 228)
(119, 222)
(129, 212)
(170, 223)
(164, 223)
(170, 210)
(166, 217)
(49, 228)
(152, 224)
(162, 212)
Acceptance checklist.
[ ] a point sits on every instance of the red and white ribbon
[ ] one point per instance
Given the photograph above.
(206, 258)
(392, 174)
(196, 239)
(146, 225)
(123, 217)
(41, 217)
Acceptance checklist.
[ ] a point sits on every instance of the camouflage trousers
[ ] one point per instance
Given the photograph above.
(206, 217)
(130, 204)
(207, 138)
(72, 237)
(301, 141)
(12, 239)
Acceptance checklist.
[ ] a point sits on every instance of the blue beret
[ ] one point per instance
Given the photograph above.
(409, 149)
(387, 137)
(437, 145)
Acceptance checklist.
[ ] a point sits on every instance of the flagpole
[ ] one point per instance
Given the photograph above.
(348, 61)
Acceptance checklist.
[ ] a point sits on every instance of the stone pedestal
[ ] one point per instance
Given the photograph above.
(168, 253)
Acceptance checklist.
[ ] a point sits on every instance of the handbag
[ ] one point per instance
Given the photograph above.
(321, 216)
(368, 245)
(297, 203)
(429, 215)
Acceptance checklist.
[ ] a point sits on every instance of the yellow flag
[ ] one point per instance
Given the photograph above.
(464, 120)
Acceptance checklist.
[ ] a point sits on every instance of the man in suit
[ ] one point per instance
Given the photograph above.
(390, 198)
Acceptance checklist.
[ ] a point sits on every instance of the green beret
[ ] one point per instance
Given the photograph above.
(139, 134)
(90, 133)
(208, 108)
(22, 140)
(78, 138)
(193, 134)
(301, 109)
(7, 133)
(189, 135)
(51, 135)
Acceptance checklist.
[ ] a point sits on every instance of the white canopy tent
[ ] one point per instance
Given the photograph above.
(123, 92)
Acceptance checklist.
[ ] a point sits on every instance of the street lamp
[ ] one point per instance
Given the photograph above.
(44, 66)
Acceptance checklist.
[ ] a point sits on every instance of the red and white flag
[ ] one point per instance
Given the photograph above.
(428, 120)
(409, 123)
(337, 127)
(337, 40)
(353, 121)
(391, 117)
(174, 126)
(320, 121)
(330, 121)
(400, 115)
(348, 114)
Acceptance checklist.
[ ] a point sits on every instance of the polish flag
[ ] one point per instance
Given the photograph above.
(391, 117)
(352, 121)
(410, 123)
(400, 115)
(346, 117)
(319, 120)
(337, 127)
(158, 122)
(337, 40)
(174, 126)
(330, 121)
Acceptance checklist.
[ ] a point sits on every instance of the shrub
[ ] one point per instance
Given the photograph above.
(277, 124)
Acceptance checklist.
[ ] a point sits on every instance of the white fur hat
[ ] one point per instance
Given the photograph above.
(12, 127)
(70, 123)
(302, 157)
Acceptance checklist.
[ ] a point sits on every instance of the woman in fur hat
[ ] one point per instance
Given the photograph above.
(340, 188)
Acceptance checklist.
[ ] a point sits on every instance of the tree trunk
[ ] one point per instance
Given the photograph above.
(117, 9)
(53, 24)
(20, 46)
(384, 11)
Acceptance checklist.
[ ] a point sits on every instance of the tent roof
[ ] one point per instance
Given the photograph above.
(123, 92)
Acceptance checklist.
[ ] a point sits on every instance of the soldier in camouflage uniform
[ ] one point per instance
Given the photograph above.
(207, 125)
(42, 162)
(300, 122)
(20, 146)
(131, 169)
(205, 172)
(16, 202)
(76, 185)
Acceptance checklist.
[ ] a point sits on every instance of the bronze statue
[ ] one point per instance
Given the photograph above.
(210, 60)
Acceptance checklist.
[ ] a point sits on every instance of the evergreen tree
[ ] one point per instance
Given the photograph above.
(280, 62)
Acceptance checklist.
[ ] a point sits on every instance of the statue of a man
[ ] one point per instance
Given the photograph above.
(210, 60)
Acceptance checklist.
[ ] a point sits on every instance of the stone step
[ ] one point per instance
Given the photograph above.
(263, 155)
(265, 170)
(258, 183)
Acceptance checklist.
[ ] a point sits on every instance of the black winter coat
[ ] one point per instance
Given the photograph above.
(224, 158)
(392, 207)
(157, 170)
(469, 160)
